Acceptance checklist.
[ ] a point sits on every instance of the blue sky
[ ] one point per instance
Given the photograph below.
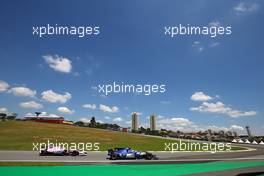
(210, 82)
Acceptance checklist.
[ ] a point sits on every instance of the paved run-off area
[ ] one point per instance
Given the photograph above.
(127, 170)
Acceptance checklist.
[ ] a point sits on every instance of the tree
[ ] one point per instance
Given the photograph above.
(116, 127)
(142, 130)
(79, 123)
(134, 131)
(11, 116)
(37, 113)
(147, 131)
(163, 133)
(3, 116)
(93, 122)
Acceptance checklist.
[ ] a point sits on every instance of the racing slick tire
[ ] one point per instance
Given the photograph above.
(42, 153)
(113, 157)
(149, 156)
(75, 153)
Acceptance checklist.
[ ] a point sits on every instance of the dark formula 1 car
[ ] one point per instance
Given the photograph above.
(128, 153)
(58, 151)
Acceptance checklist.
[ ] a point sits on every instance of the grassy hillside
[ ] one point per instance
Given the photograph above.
(19, 135)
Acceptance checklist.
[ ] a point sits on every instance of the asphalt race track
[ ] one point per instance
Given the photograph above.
(257, 153)
(221, 162)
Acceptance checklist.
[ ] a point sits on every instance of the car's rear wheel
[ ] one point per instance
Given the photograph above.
(149, 156)
(42, 153)
(75, 153)
(65, 153)
(113, 157)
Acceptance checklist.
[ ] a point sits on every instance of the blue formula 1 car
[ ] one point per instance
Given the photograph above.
(128, 153)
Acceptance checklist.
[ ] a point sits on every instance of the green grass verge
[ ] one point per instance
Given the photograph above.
(19, 135)
(31, 164)
(126, 170)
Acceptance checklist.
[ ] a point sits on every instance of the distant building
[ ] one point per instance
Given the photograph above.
(50, 119)
(58, 120)
(152, 122)
(124, 129)
(134, 121)
(235, 134)
(248, 131)
(68, 122)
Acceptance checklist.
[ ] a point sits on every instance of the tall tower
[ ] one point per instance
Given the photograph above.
(248, 131)
(152, 120)
(134, 121)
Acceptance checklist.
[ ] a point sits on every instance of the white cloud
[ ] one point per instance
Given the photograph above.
(176, 123)
(236, 113)
(3, 110)
(198, 46)
(89, 106)
(214, 44)
(214, 23)
(106, 108)
(22, 91)
(31, 105)
(65, 110)
(200, 96)
(236, 128)
(43, 114)
(216, 128)
(85, 120)
(245, 7)
(221, 108)
(107, 117)
(29, 114)
(160, 116)
(3, 86)
(58, 63)
(211, 107)
(54, 97)
(100, 121)
(118, 119)
(128, 122)
(53, 115)
(196, 43)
